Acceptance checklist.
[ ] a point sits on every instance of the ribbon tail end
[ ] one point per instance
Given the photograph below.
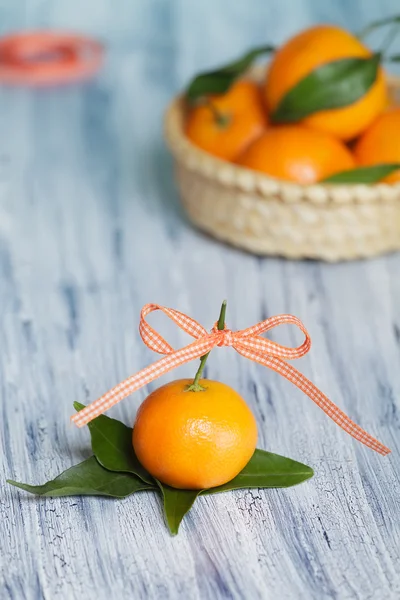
(78, 421)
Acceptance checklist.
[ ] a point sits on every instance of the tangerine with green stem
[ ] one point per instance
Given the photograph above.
(225, 124)
(195, 434)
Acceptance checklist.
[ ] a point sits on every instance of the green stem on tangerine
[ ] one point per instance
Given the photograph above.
(195, 386)
(220, 118)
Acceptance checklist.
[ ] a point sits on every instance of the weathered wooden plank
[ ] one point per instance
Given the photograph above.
(85, 186)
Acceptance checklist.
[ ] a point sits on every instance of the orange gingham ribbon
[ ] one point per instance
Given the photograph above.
(247, 342)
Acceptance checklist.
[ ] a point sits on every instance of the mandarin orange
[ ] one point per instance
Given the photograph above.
(227, 123)
(311, 49)
(194, 440)
(380, 143)
(297, 153)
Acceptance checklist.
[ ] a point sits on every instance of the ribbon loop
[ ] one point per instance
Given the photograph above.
(247, 342)
(154, 340)
(250, 337)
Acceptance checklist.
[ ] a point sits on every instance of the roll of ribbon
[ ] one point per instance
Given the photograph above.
(45, 58)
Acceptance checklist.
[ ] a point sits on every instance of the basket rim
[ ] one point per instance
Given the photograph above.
(230, 175)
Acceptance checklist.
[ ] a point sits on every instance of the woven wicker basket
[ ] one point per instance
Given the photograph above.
(268, 216)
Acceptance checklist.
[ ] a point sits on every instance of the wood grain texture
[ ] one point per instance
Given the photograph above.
(90, 230)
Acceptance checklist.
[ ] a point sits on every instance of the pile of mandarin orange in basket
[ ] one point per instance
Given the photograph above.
(322, 111)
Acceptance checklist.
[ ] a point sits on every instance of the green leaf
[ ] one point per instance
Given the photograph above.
(264, 470)
(393, 58)
(371, 174)
(112, 446)
(176, 504)
(87, 479)
(267, 470)
(220, 80)
(333, 85)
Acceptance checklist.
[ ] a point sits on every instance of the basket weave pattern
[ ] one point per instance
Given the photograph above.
(268, 216)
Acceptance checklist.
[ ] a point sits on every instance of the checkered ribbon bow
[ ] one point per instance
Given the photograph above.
(248, 342)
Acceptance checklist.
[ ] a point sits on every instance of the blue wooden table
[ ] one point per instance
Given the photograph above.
(90, 230)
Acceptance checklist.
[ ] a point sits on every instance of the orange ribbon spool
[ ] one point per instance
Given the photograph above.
(45, 58)
(246, 342)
